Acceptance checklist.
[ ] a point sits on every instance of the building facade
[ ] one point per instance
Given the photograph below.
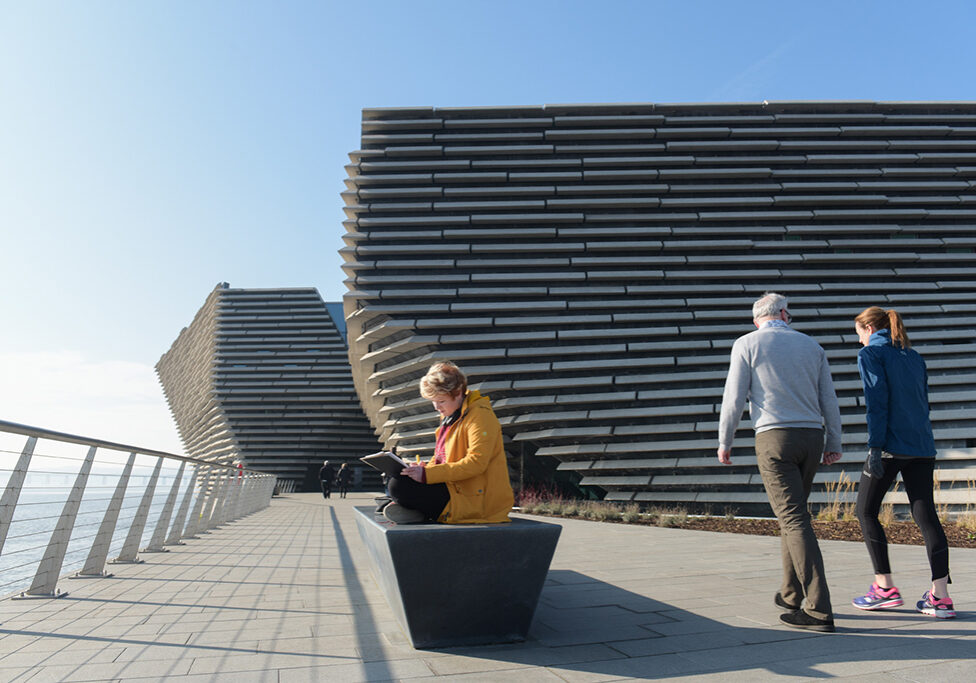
(589, 267)
(261, 376)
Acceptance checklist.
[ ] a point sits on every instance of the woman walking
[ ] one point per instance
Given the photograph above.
(899, 440)
(343, 478)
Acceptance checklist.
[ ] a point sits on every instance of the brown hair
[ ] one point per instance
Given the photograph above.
(881, 319)
(443, 378)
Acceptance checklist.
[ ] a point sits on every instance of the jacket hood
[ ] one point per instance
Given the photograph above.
(472, 397)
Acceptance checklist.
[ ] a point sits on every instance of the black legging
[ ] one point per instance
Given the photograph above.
(431, 499)
(916, 474)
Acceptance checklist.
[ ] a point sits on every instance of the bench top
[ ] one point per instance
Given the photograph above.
(390, 528)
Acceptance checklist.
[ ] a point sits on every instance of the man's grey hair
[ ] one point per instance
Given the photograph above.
(770, 304)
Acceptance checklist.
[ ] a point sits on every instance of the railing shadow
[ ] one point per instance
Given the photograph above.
(368, 638)
(184, 646)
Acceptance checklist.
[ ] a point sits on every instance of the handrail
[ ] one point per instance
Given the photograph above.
(217, 493)
(41, 433)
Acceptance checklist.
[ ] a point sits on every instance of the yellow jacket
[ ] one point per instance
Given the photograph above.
(475, 471)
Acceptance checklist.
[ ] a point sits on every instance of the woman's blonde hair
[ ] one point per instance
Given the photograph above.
(443, 378)
(881, 319)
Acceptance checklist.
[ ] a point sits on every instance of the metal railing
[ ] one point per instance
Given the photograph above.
(68, 509)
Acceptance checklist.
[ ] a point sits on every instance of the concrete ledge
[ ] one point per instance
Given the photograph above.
(452, 585)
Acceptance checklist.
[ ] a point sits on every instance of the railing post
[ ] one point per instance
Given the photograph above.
(257, 485)
(98, 555)
(11, 494)
(206, 522)
(196, 517)
(45, 582)
(130, 549)
(241, 496)
(162, 524)
(220, 492)
(243, 505)
(177, 529)
(248, 502)
(233, 498)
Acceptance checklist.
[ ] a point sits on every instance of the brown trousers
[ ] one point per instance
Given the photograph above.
(788, 459)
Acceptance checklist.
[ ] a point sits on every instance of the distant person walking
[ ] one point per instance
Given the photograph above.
(899, 440)
(326, 477)
(344, 476)
(785, 376)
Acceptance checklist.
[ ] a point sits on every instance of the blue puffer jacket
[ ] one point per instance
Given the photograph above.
(896, 396)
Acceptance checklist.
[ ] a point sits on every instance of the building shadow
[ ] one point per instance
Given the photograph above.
(586, 625)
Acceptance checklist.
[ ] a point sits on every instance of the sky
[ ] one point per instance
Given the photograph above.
(150, 150)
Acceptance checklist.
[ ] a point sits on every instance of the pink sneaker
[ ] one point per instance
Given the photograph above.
(878, 598)
(940, 608)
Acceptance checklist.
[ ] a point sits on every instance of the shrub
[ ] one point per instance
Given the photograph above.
(673, 518)
(631, 513)
(887, 513)
(839, 506)
(604, 512)
(532, 495)
(941, 507)
(652, 515)
(967, 518)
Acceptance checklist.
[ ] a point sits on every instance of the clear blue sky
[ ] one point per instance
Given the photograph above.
(151, 149)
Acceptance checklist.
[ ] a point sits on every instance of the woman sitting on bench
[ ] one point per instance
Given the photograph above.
(466, 482)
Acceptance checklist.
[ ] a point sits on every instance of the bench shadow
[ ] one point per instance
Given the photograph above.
(585, 625)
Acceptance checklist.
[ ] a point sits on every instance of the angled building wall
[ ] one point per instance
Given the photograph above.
(590, 267)
(262, 376)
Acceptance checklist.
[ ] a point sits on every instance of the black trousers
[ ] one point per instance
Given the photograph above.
(916, 474)
(431, 499)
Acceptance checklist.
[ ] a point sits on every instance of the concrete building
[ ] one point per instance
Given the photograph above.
(262, 376)
(590, 266)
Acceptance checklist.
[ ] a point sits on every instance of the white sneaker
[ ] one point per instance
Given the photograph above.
(400, 515)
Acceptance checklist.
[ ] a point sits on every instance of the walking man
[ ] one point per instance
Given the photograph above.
(785, 376)
(326, 476)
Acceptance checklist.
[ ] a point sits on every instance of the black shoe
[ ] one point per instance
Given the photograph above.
(783, 605)
(381, 503)
(800, 619)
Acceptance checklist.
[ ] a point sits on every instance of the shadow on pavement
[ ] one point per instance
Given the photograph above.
(583, 624)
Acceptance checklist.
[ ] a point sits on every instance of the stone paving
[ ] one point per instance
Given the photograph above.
(286, 595)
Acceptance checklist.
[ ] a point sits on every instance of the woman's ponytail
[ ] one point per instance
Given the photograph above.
(881, 319)
(898, 335)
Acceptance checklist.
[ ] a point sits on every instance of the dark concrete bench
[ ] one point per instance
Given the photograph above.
(467, 584)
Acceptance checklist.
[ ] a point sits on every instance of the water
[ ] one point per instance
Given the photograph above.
(40, 505)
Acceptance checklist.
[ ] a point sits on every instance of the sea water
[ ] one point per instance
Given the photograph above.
(39, 508)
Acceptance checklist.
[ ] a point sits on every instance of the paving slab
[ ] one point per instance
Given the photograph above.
(285, 595)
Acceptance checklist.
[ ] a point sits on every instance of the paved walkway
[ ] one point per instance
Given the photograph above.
(286, 595)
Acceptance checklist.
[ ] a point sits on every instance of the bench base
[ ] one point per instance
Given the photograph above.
(452, 584)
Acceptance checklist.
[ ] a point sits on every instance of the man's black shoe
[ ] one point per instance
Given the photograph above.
(800, 619)
(783, 605)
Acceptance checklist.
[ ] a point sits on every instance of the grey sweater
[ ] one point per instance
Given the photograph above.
(786, 378)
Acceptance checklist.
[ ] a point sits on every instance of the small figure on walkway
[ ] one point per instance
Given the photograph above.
(326, 477)
(343, 477)
(785, 376)
(466, 482)
(899, 440)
